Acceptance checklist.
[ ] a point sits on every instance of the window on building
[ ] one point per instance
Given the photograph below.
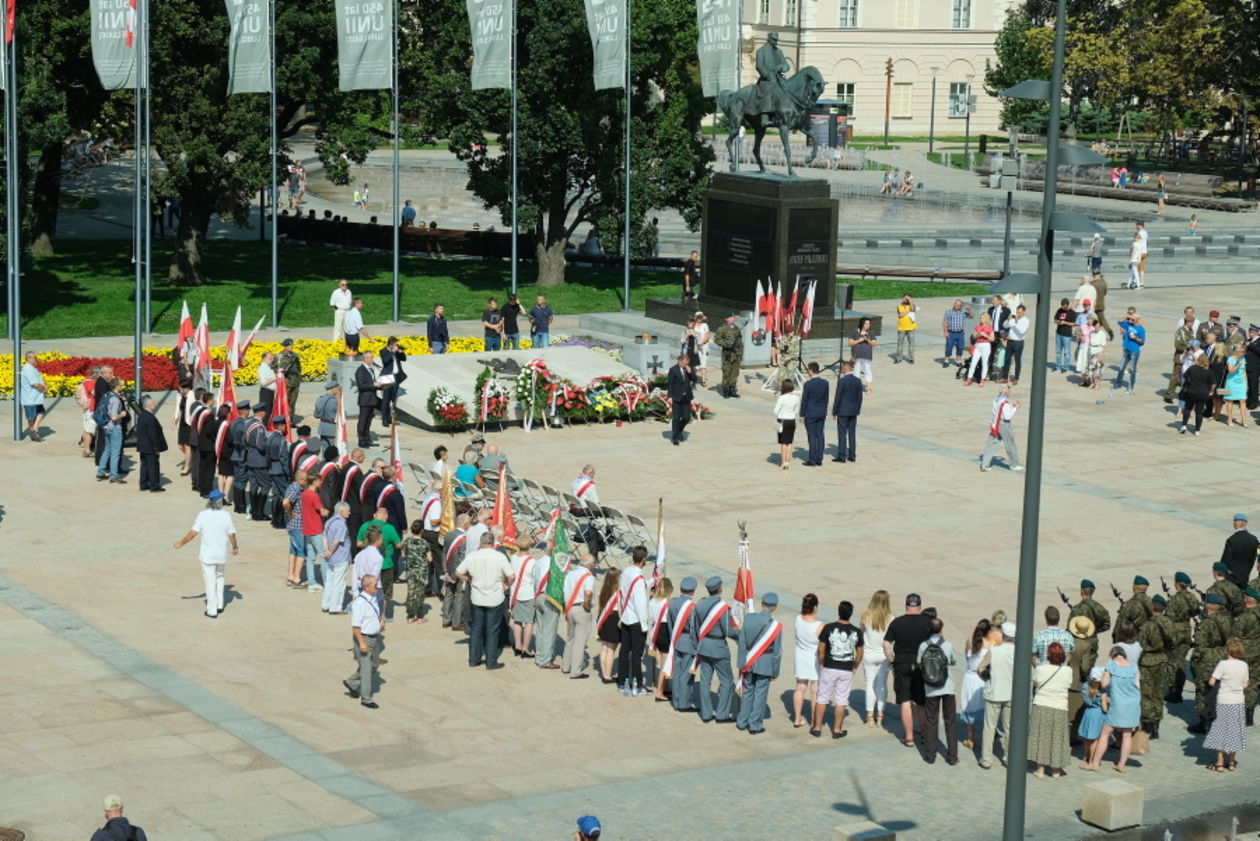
(957, 99)
(763, 12)
(848, 14)
(844, 93)
(903, 100)
(789, 12)
(962, 14)
(906, 14)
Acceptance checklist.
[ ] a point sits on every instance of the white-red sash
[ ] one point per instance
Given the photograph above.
(656, 627)
(680, 628)
(385, 492)
(348, 480)
(298, 449)
(710, 622)
(366, 486)
(625, 599)
(607, 611)
(995, 428)
(516, 585)
(309, 462)
(577, 591)
(428, 506)
(200, 413)
(546, 575)
(584, 487)
(454, 547)
(325, 470)
(759, 647)
(220, 438)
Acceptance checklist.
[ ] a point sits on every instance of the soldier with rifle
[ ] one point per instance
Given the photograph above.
(1226, 589)
(1183, 607)
(1209, 649)
(1137, 609)
(1157, 640)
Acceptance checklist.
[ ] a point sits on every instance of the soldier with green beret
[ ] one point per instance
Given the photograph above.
(1137, 609)
(1247, 629)
(1209, 649)
(1183, 607)
(1156, 637)
(1226, 589)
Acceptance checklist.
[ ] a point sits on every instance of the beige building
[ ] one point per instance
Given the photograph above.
(851, 41)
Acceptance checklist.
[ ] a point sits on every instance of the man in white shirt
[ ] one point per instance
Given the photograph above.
(368, 560)
(1000, 661)
(217, 534)
(579, 602)
(489, 575)
(1016, 332)
(341, 300)
(635, 621)
(1085, 292)
(1143, 250)
(352, 326)
(366, 623)
(521, 602)
(1000, 429)
(480, 526)
(584, 486)
(267, 384)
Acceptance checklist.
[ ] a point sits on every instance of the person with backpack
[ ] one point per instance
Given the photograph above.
(840, 653)
(110, 415)
(901, 646)
(117, 828)
(935, 659)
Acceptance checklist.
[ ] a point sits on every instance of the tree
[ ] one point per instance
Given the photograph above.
(570, 171)
(1018, 57)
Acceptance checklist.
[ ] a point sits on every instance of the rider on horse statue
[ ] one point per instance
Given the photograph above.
(770, 98)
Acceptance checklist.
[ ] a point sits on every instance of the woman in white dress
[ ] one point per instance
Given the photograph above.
(702, 332)
(874, 664)
(807, 628)
(971, 696)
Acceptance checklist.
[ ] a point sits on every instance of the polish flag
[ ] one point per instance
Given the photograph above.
(659, 571)
(343, 430)
(744, 591)
(227, 394)
(249, 340)
(395, 450)
(502, 515)
(281, 407)
(203, 339)
(130, 37)
(807, 309)
(186, 329)
(776, 311)
(233, 341)
(759, 306)
(791, 308)
(8, 21)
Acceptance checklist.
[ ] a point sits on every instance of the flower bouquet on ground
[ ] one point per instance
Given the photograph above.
(448, 411)
(572, 401)
(535, 385)
(493, 396)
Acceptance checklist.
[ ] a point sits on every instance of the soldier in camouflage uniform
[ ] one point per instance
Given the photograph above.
(1156, 639)
(1247, 629)
(1097, 614)
(289, 366)
(1226, 589)
(1183, 607)
(731, 340)
(1209, 649)
(1137, 609)
(789, 361)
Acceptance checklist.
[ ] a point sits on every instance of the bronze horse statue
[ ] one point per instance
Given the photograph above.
(802, 90)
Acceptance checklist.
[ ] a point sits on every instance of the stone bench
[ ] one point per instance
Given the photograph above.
(864, 831)
(1112, 805)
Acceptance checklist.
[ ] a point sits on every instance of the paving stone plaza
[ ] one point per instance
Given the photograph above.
(240, 728)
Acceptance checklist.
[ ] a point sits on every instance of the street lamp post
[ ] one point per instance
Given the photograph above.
(932, 114)
(888, 76)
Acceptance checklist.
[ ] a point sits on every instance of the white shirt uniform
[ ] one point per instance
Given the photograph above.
(266, 376)
(341, 299)
(591, 495)
(431, 511)
(365, 615)
(634, 598)
(488, 570)
(571, 584)
(475, 531)
(367, 562)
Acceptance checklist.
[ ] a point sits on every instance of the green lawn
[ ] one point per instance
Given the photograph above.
(86, 289)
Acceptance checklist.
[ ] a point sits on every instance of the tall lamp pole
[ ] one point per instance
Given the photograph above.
(1039, 283)
(932, 114)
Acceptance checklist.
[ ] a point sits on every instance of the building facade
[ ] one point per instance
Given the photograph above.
(852, 41)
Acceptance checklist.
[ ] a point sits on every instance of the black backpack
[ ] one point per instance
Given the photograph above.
(101, 414)
(934, 665)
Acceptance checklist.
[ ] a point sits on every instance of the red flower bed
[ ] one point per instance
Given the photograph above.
(159, 371)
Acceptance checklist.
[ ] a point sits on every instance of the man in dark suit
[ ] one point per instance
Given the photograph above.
(365, 381)
(1253, 367)
(814, 396)
(845, 409)
(150, 442)
(681, 380)
(392, 358)
(1240, 552)
(999, 314)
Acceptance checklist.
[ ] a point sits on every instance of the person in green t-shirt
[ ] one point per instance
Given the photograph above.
(389, 540)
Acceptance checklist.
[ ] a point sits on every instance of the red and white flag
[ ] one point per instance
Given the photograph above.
(186, 329)
(130, 36)
(8, 21)
(249, 340)
(759, 307)
(807, 309)
(395, 454)
(659, 572)
(502, 515)
(227, 395)
(745, 593)
(233, 341)
(343, 429)
(280, 407)
(791, 307)
(203, 339)
(776, 309)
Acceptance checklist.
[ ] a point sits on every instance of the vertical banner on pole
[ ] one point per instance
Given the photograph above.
(249, 46)
(113, 40)
(490, 22)
(365, 44)
(606, 21)
(718, 45)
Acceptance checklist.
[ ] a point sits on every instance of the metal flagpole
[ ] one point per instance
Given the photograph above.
(13, 212)
(275, 187)
(397, 220)
(137, 235)
(514, 146)
(625, 243)
(148, 187)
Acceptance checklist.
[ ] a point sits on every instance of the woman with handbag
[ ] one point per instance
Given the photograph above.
(1123, 685)
(1048, 724)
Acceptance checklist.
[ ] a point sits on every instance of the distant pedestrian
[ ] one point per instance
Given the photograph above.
(32, 393)
(218, 535)
(1135, 260)
(117, 827)
(512, 311)
(907, 325)
(352, 325)
(492, 324)
(981, 347)
(488, 574)
(340, 300)
(786, 408)
(874, 624)
(1228, 735)
(971, 695)
(408, 216)
(954, 329)
(1133, 337)
(436, 331)
(691, 276)
(540, 318)
(1001, 429)
(1064, 324)
(862, 346)
(111, 415)
(336, 559)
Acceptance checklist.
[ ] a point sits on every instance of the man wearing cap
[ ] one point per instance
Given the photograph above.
(278, 467)
(1158, 640)
(1234, 337)
(759, 647)
(236, 440)
(256, 463)
(1182, 608)
(1099, 619)
(731, 340)
(1253, 367)
(217, 535)
(117, 828)
(1209, 649)
(711, 628)
(682, 647)
(289, 366)
(326, 412)
(1000, 661)
(1182, 338)
(1247, 629)
(392, 359)
(367, 621)
(588, 828)
(1137, 608)
(1212, 325)
(901, 648)
(1239, 555)
(1231, 595)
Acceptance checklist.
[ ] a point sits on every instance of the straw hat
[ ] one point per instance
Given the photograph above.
(1081, 627)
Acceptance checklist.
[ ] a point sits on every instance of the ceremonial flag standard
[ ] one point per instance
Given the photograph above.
(807, 309)
(249, 340)
(203, 339)
(280, 406)
(365, 44)
(744, 591)
(490, 22)
(447, 523)
(343, 429)
(502, 515)
(395, 454)
(249, 46)
(227, 394)
(776, 309)
(659, 572)
(113, 42)
(758, 307)
(791, 308)
(718, 28)
(232, 344)
(606, 22)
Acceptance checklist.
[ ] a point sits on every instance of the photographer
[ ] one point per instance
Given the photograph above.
(862, 346)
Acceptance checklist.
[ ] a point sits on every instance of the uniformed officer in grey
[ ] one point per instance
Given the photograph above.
(326, 411)
(278, 468)
(683, 646)
(255, 436)
(754, 704)
(715, 654)
(236, 441)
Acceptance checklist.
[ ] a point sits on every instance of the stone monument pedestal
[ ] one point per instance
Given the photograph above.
(1112, 805)
(341, 371)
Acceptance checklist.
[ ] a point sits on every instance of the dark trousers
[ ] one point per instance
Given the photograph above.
(630, 655)
(846, 429)
(150, 473)
(389, 396)
(681, 417)
(267, 397)
(1253, 385)
(365, 425)
(1199, 405)
(931, 736)
(205, 471)
(814, 433)
(1014, 356)
(484, 640)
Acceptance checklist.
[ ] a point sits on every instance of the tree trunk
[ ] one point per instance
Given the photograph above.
(551, 263)
(194, 221)
(45, 199)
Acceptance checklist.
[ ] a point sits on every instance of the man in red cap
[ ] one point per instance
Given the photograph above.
(1212, 325)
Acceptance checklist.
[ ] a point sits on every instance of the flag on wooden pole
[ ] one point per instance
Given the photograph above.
(227, 394)
(249, 340)
(232, 343)
(203, 339)
(502, 514)
(759, 306)
(447, 523)
(343, 430)
(186, 329)
(395, 453)
(807, 309)
(745, 593)
(280, 406)
(659, 572)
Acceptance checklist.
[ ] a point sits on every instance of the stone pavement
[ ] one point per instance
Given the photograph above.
(239, 727)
